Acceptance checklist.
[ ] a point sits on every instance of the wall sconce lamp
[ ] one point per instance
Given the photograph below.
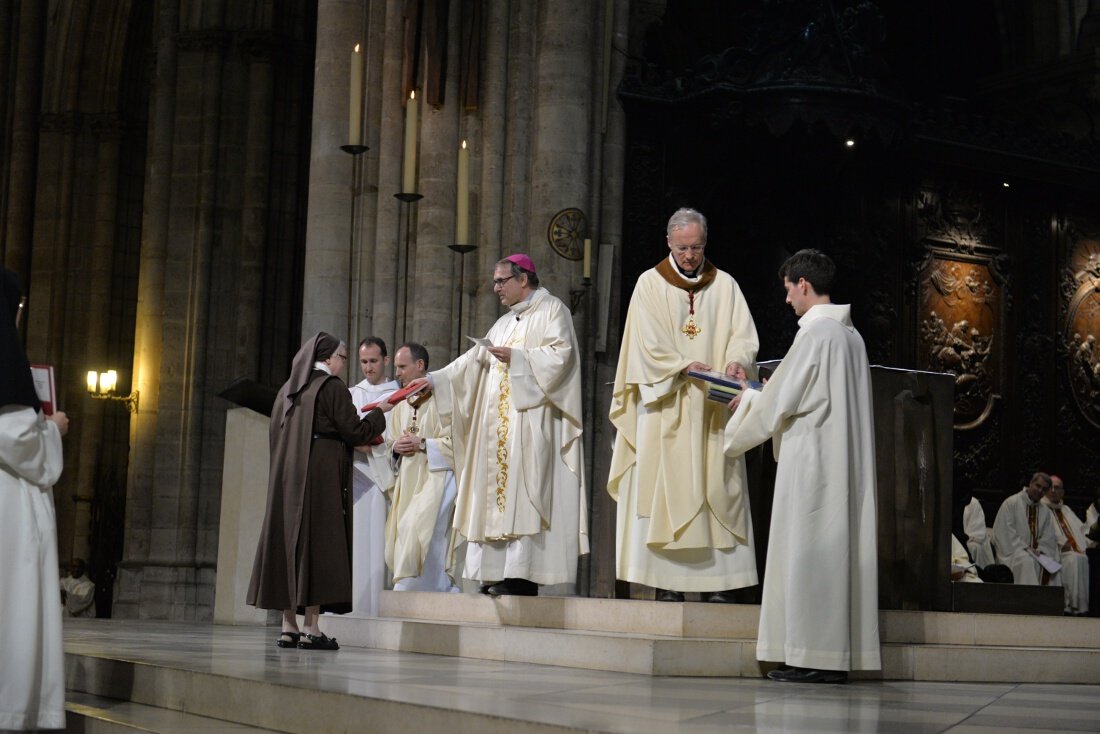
(101, 386)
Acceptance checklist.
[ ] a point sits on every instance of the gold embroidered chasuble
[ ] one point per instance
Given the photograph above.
(669, 445)
(517, 427)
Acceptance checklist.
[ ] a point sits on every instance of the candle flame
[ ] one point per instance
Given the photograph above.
(412, 94)
(357, 48)
(464, 145)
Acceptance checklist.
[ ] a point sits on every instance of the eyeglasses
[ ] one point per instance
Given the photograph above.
(501, 281)
(341, 356)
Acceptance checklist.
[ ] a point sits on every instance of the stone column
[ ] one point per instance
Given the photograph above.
(560, 154)
(20, 170)
(327, 271)
(149, 323)
(431, 306)
(389, 224)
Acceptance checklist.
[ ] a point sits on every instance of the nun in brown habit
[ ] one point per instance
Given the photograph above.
(303, 560)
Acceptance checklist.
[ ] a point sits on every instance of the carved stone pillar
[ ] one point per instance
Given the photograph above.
(560, 156)
(327, 271)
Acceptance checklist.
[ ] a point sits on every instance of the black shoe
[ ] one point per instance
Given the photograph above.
(514, 587)
(288, 639)
(808, 675)
(484, 588)
(669, 595)
(722, 597)
(317, 642)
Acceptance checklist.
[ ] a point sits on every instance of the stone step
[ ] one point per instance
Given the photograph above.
(729, 621)
(656, 655)
(112, 695)
(91, 714)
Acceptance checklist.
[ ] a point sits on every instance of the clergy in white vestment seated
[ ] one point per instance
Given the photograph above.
(962, 568)
(977, 534)
(78, 591)
(32, 674)
(1092, 521)
(514, 401)
(371, 477)
(683, 520)
(418, 529)
(1024, 530)
(1069, 532)
(819, 613)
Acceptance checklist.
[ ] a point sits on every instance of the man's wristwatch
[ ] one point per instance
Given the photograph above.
(423, 444)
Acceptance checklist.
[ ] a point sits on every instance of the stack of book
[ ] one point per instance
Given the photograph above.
(722, 388)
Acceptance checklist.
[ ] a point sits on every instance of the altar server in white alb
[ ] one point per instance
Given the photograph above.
(1023, 530)
(515, 410)
(418, 529)
(978, 541)
(370, 478)
(819, 613)
(1070, 534)
(32, 674)
(683, 521)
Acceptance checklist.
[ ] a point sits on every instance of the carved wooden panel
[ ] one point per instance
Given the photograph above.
(960, 322)
(1080, 286)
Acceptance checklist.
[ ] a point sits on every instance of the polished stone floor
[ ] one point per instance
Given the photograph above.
(595, 701)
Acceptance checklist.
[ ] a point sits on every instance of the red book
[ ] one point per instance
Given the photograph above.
(396, 397)
(44, 386)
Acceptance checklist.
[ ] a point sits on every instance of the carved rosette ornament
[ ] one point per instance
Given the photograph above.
(960, 317)
(1081, 286)
(566, 233)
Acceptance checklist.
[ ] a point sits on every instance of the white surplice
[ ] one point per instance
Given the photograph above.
(79, 596)
(418, 529)
(683, 519)
(1075, 564)
(1012, 536)
(519, 458)
(977, 534)
(820, 603)
(1092, 516)
(370, 479)
(32, 675)
(960, 559)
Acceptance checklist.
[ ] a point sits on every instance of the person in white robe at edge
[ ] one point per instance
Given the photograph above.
(418, 529)
(978, 535)
(515, 411)
(962, 569)
(819, 614)
(32, 679)
(1022, 531)
(1092, 521)
(1070, 536)
(683, 522)
(78, 591)
(371, 476)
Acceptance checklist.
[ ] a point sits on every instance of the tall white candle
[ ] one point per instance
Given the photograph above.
(462, 219)
(355, 99)
(408, 178)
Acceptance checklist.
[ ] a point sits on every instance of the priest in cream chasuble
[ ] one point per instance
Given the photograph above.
(683, 508)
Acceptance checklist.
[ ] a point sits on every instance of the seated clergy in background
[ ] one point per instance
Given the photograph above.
(1068, 530)
(683, 505)
(977, 534)
(371, 477)
(1092, 521)
(962, 568)
(418, 529)
(78, 591)
(1023, 530)
(514, 401)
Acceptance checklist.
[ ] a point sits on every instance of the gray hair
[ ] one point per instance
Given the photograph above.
(683, 217)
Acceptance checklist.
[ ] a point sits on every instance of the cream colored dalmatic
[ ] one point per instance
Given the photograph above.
(418, 528)
(519, 459)
(32, 684)
(1074, 575)
(820, 604)
(683, 508)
